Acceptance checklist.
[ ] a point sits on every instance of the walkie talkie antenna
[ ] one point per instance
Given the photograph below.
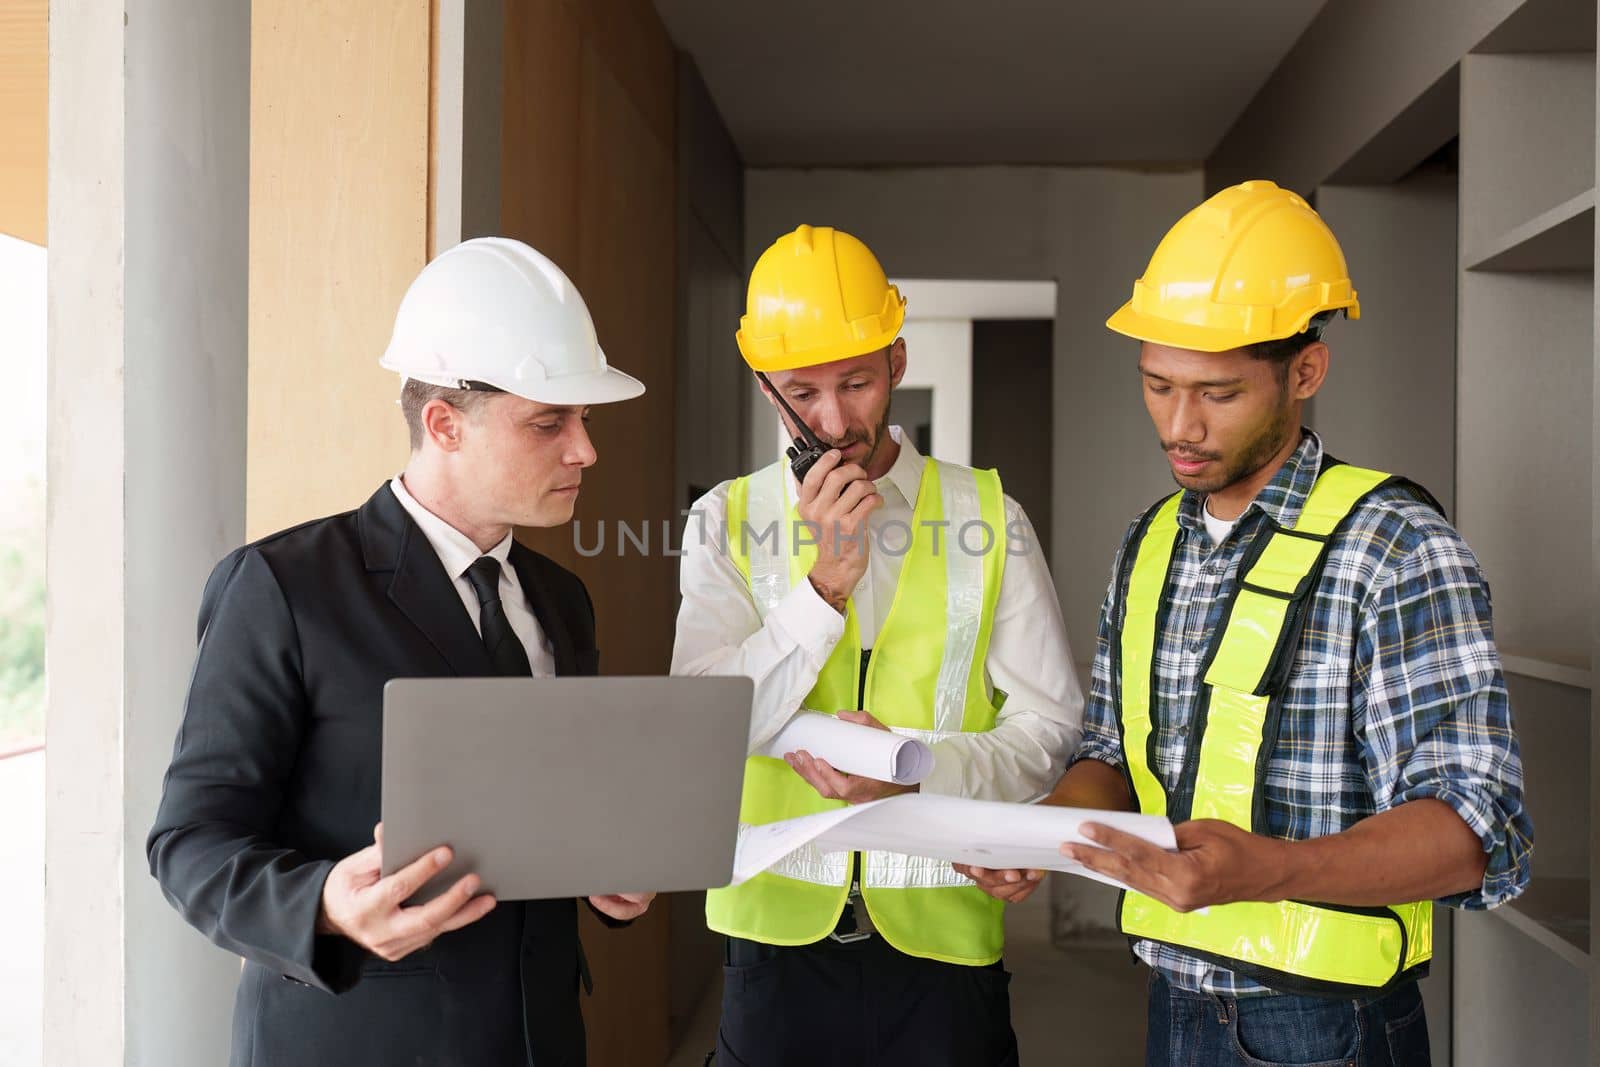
(810, 439)
(807, 448)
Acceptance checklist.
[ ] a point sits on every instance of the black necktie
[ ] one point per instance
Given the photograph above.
(505, 648)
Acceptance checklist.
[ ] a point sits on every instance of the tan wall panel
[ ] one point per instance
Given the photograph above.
(587, 176)
(638, 53)
(626, 1018)
(338, 228)
(24, 117)
(626, 267)
(539, 120)
(627, 219)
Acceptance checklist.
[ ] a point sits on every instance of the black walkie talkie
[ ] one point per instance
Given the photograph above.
(807, 448)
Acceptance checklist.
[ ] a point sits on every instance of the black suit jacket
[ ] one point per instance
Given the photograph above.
(276, 775)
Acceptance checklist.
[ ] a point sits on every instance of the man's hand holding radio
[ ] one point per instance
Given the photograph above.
(835, 500)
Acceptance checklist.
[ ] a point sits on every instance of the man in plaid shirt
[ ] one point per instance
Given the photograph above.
(1391, 769)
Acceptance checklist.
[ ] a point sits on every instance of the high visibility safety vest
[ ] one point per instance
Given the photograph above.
(925, 678)
(1291, 946)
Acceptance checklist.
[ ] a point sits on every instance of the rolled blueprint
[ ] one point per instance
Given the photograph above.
(854, 749)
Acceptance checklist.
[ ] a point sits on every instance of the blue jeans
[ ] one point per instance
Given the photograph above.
(1202, 1030)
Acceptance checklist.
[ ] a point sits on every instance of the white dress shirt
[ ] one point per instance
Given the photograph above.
(721, 632)
(457, 552)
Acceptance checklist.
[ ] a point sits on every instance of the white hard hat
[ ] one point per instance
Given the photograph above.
(492, 311)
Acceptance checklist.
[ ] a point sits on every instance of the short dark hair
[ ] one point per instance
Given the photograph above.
(415, 395)
(1281, 352)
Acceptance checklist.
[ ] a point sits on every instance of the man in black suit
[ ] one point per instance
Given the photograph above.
(265, 839)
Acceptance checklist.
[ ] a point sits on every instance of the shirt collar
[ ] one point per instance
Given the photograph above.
(906, 473)
(454, 548)
(1281, 499)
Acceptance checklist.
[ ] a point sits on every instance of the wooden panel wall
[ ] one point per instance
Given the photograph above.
(587, 177)
(24, 117)
(338, 228)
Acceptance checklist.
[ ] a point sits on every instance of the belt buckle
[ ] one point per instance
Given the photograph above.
(863, 921)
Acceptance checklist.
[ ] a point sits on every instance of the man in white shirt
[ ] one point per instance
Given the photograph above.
(917, 599)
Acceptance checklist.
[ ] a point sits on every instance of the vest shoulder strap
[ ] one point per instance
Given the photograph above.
(1416, 489)
(1130, 552)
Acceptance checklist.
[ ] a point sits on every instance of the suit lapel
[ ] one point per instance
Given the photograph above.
(420, 587)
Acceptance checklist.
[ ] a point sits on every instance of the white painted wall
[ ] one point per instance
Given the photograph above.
(149, 120)
(936, 298)
(939, 358)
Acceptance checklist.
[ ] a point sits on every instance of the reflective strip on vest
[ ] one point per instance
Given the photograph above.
(1286, 944)
(762, 495)
(963, 604)
(925, 680)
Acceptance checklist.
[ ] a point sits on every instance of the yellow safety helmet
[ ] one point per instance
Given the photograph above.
(816, 296)
(1253, 263)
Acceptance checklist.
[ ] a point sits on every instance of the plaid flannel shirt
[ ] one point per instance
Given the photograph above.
(1396, 692)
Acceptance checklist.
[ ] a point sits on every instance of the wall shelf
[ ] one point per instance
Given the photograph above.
(1559, 673)
(1561, 238)
(1527, 150)
(1555, 913)
(1525, 438)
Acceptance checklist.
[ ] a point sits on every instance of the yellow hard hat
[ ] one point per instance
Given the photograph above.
(1253, 263)
(816, 296)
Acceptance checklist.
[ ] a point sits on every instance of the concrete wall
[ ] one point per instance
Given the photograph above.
(1389, 401)
(1363, 67)
(1092, 232)
(146, 396)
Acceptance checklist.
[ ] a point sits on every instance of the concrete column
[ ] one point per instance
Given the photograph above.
(146, 456)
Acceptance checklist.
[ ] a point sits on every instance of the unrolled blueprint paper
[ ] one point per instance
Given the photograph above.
(854, 749)
(985, 833)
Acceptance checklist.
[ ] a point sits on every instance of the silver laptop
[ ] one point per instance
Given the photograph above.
(566, 787)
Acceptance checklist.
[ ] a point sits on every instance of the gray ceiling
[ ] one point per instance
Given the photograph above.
(883, 82)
